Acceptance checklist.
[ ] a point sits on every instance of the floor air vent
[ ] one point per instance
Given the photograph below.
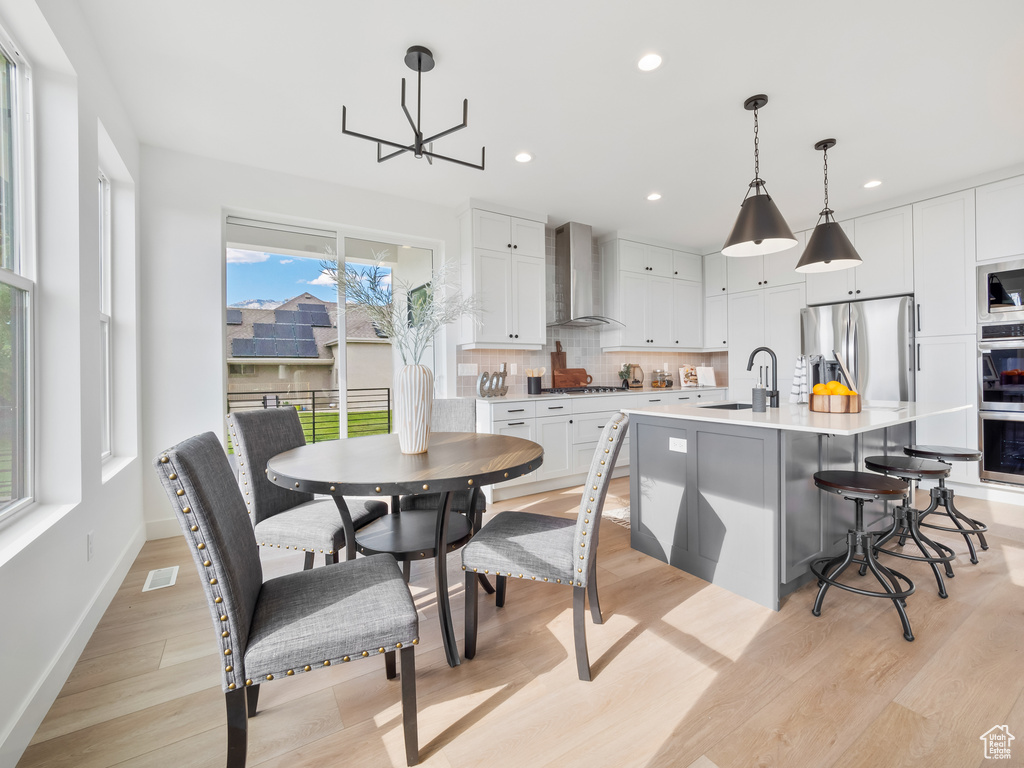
(160, 578)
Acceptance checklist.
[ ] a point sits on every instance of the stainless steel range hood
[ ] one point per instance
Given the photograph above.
(575, 279)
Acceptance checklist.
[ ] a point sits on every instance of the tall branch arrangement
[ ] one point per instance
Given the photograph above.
(411, 328)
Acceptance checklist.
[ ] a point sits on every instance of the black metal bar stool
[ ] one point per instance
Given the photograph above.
(906, 519)
(859, 487)
(943, 496)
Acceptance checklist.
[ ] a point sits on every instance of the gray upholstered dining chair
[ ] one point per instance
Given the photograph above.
(282, 517)
(556, 550)
(291, 624)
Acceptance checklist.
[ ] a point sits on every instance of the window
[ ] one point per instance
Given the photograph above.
(16, 293)
(241, 369)
(106, 410)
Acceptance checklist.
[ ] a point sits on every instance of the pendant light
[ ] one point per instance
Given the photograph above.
(828, 249)
(759, 228)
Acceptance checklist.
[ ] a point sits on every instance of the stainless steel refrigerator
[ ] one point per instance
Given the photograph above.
(875, 338)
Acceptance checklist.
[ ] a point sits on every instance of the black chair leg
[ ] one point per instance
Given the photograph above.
(579, 631)
(238, 727)
(595, 604)
(389, 665)
(252, 696)
(499, 588)
(309, 561)
(471, 614)
(412, 749)
(330, 559)
(406, 570)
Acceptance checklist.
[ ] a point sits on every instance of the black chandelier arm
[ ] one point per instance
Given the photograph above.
(459, 127)
(381, 158)
(405, 109)
(483, 154)
(347, 132)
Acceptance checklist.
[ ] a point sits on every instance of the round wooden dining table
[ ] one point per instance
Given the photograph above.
(375, 466)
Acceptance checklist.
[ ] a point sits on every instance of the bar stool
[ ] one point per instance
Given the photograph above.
(943, 496)
(906, 519)
(859, 487)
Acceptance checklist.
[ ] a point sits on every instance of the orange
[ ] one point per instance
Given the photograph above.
(819, 389)
(851, 392)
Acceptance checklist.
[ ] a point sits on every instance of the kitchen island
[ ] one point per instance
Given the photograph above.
(727, 494)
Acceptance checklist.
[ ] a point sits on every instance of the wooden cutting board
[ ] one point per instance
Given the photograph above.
(557, 359)
(570, 377)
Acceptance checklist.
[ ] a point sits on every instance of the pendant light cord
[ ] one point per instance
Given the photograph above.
(826, 177)
(757, 175)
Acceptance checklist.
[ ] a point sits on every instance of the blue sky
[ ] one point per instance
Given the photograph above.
(254, 275)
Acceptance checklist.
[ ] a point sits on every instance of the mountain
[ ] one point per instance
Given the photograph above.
(257, 304)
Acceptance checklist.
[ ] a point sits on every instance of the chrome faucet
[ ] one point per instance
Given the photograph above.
(773, 393)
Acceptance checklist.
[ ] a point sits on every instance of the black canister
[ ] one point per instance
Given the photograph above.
(533, 385)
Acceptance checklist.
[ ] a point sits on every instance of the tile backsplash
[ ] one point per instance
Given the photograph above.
(582, 347)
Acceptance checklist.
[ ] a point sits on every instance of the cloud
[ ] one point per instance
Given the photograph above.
(286, 261)
(238, 256)
(322, 279)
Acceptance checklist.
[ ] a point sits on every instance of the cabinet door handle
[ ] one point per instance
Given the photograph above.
(657, 400)
(517, 410)
(918, 318)
(918, 357)
(850, 293)
(555, 407)
(570, 421)
(723, 287)
(515, 247)
(758, 282)
(858, 290)
(509, 245)
(516, 423)
(766, 282)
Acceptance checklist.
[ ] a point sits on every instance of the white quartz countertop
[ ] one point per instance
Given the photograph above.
(799, 418)
(638, 391)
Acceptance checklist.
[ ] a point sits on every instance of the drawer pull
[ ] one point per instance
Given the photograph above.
(656, 400)
(517, 410)
(516, 423)
(555, 407)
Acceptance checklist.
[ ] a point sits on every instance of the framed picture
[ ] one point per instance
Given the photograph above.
(417, 298)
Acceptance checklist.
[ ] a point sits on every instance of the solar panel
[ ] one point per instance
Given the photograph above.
(303, 318)
(285, 316)
(263, 330)
(303, 332)
(312, 308)
(307, 348)
(320, 319)
(265, 347)
(286, 348)
(282, 331)
(234, 317)
(243, 347)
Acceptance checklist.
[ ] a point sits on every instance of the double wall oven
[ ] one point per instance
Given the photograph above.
(1001, 371)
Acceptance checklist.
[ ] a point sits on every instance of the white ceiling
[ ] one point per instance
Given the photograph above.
(919, 93)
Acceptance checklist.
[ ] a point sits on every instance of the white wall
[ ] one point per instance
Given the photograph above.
(51, 595)
(184, 201)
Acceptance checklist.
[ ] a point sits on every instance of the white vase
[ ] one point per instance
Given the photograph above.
(414, 399)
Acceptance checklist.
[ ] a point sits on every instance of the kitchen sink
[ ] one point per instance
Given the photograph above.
(730, 406)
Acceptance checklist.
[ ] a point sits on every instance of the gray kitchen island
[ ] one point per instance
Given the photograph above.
(727, 494)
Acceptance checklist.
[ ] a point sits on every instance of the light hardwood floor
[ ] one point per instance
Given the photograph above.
(685, 674)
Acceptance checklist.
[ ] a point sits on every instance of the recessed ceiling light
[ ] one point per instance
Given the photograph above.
(524, 157)
(654, 196)
(649, 62)
(872, 184)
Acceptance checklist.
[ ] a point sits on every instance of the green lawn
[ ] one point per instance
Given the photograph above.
(359, 425)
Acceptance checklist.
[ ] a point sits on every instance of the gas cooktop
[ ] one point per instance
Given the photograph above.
(590, 390)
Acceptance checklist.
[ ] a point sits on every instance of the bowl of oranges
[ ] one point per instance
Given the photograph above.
(834, 397)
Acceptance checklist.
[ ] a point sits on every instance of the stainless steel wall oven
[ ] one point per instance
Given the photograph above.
(1001, 400)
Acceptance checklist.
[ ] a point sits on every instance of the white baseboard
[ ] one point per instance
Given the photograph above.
(162, 529)
(1006, 494)
(14, 743)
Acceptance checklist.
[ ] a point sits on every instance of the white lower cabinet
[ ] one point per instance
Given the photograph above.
(554, 433)
(524, 428)
(947, 372)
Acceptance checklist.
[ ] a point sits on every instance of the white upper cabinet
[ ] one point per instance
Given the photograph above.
(498, 232)
(885, 242)
(687, 315)
(715, 271)
(648, 259)
(1000, 223)
(944, 268)
(751, 273)
(716, 323)
(503, 264)
(687, 266)
(764, 318)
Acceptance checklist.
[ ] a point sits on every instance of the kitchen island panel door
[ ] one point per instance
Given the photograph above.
(736, 508)
(659, 525)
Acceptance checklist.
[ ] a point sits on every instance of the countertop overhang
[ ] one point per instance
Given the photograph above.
(877, 414)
